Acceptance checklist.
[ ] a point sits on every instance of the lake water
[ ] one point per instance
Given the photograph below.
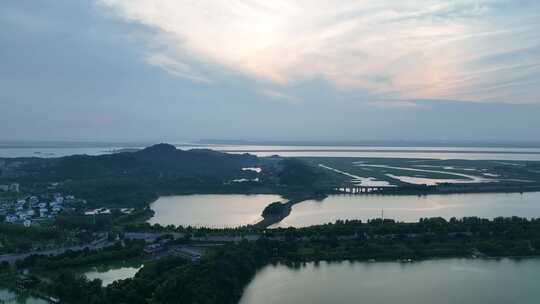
(232, 210)
(445, 281)
(211, 210)
(410, 208)
(474, 153)
(53, 152)
(110, 274)
(10, 297)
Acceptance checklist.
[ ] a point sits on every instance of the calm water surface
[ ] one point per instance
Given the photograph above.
(210, 210)
(473, 153)
(316, 151)
(228, 210)
(53, 152)
(446, 281)
(410, 208)
(108, 275)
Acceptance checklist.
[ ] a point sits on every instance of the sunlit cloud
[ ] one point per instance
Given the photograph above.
(279, 96)
(481, 50)
(175, 67)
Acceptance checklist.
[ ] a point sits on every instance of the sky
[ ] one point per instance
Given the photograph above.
(348, 70)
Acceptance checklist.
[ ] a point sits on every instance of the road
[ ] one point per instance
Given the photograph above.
(147, 236)
(12, 258)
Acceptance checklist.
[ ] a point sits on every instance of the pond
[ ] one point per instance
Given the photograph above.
(211, 210)
(109, 274)
(445, 281)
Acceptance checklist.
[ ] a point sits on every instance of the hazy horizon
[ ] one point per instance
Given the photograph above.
(433, 143)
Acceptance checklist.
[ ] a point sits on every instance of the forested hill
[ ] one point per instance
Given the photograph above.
(158, 161)
(130, 179)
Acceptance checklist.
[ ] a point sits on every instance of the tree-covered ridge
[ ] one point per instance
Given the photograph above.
(133, 179)
(162, 161)
(297, 173)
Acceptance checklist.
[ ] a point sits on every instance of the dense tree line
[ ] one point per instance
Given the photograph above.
(297, 173)
(498, 226)
(70, 259)
(221, 276)
(217, 278)
(134, 179)
(16, 238)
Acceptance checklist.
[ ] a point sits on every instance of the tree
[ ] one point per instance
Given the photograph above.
(297, 173)
(75, 288)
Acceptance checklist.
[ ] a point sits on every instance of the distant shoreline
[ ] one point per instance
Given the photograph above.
(269, 143)
(381, 151)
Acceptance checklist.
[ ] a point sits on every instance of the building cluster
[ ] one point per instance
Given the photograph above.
(162, 248)
(33, 209)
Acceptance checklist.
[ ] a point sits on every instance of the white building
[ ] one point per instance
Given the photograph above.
(14, 187)
(11, 218)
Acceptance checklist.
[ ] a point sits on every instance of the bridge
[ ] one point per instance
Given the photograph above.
(357, 189)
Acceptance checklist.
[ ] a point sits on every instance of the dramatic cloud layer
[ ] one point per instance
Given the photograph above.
(161, 70)
(482, 50)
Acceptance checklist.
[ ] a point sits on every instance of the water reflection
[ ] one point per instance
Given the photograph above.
(211, 210)
(109, 274)
(300, 151)
(432, 281)
(410, 208)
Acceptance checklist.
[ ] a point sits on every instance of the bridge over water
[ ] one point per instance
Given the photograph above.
(357, 189)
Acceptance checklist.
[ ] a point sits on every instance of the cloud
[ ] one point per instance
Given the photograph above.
(279, 96)
(175, 67)
(410, 49)
(385, 104)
